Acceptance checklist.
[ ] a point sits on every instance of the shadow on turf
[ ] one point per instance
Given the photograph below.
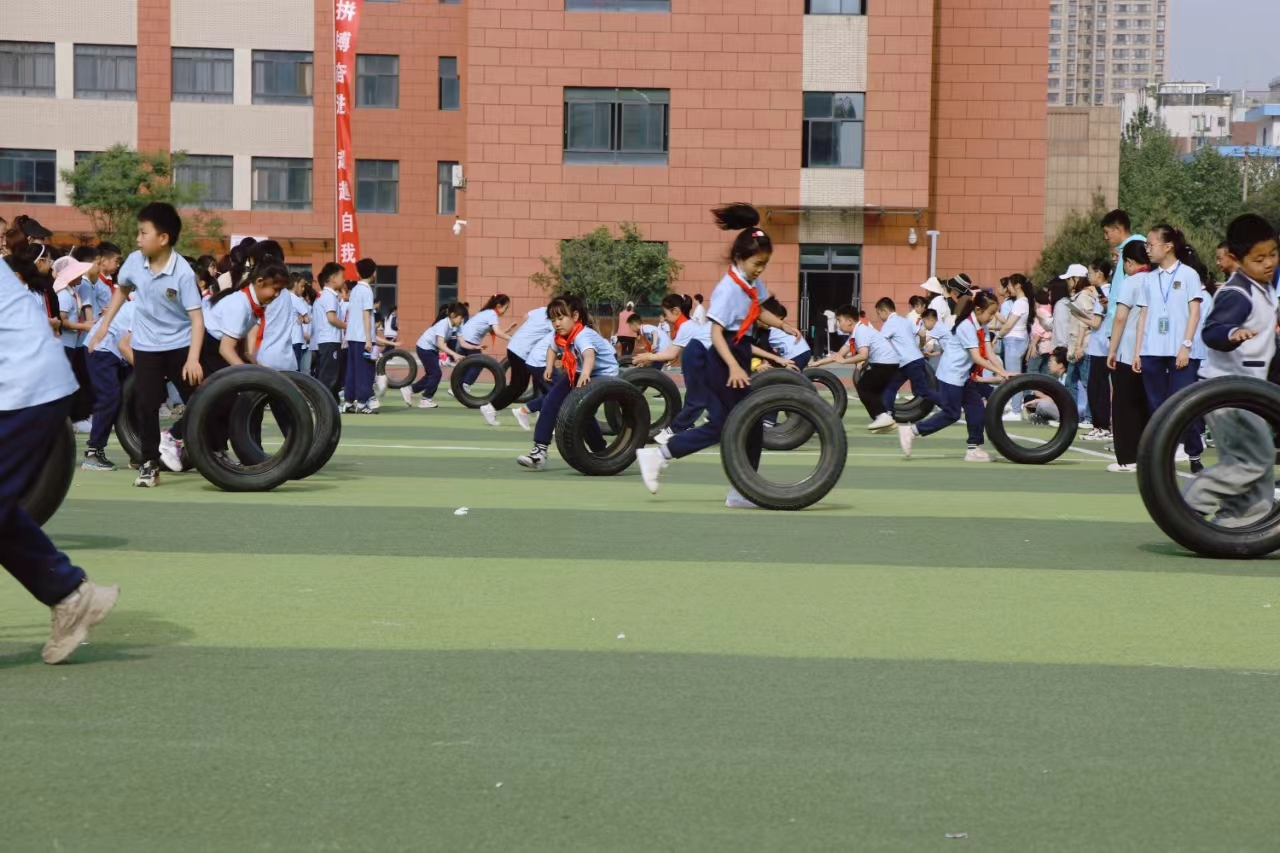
(1170, 549)
(123, 637)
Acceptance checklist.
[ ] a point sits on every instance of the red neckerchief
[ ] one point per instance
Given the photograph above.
(259, 311)
(675, 327)
(570, 359)
(111, 284)
(976, 373)
(753, 313)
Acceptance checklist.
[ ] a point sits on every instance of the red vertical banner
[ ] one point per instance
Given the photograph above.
(346, 23)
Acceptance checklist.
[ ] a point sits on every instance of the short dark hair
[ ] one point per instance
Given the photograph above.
(164, 218)
(848, 311)
(929, 314)
(85, 254)
(774, 307)
(886, 304)
(1247, 231)
(1104, 266)
(107, 250)
(635, 320)
(329, 270)
(1117, 217)
(366, 267)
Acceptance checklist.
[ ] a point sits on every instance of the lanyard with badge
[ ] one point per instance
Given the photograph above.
(1162, 324)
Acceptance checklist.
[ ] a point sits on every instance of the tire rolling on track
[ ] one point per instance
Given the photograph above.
(801, 404)
(1158, 481)
(529, 390)
(793, 432)
(405, 355)
(49, 489)
(997, 429)
(126, 425)
(646, 381)
(484, 362)
(580, 408)
(273, 472)
(832, 383)
(917, 408)
(250, 409)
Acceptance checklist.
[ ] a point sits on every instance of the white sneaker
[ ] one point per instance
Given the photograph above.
(907, 438)
(1117, 468)
(466, 389)
(1085, 425)
(428, 403)
(884, 420)
(170, 452)
(1182, 456)
(380, 385)
(977, 454)
(450, 391)
(533, 461)
(374, 404)
(521, 414)
(735, 500)
(490, 414)
(407, 394)
(664, 436)
(1010, 417)
(652, 464)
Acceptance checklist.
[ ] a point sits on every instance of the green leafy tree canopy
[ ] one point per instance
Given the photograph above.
(606, 270)
(111, 186)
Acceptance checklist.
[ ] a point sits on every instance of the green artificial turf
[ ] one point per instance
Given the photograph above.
(1013, 653)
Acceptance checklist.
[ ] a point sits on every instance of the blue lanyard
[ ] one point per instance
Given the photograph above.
(1173, 274)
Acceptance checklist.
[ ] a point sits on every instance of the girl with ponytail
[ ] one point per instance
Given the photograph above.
(471, 337)
(1171, 306)
(735, 309)
(965, 354)
(684, 330)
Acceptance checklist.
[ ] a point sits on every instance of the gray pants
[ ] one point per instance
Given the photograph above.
(1240, 489)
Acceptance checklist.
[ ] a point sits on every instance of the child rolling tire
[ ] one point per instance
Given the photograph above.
(476, 363)
(396, 383)
(246, 425)
(578, 414)
(997, 429)
(793, 432)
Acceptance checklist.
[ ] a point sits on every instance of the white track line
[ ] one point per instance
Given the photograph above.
(1109, 457)
(521, 448)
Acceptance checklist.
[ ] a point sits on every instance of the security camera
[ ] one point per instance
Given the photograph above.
(458, 225)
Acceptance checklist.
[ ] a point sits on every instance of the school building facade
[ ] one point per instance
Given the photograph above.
(856, 126)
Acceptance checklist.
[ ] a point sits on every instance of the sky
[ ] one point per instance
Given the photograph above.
(1237, 40)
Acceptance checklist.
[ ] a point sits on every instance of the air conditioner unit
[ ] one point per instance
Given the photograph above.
(459, 180)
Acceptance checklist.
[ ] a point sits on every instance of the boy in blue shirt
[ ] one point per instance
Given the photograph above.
(1240, 334)
(905, 340)
(168, 329)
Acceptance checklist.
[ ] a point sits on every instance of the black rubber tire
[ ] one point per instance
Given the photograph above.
(828, 380)
(793, 432)
(917, 408)
(581, 406)
(126, 423)
(484, 362)
(625, 361)
(834, 448)
(407, 356)
(529, 390)
(249, 410)
(647, 380)
(1068, 419)
(1158, 475)
(49, 489)
(279, 469)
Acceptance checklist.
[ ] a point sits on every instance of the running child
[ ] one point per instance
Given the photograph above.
(964, 357)
(537, 366)
(109, 365)
(434, 341)
(471, 341)
(867, 346)
(535, 328)
(693, 362)
(906, 341)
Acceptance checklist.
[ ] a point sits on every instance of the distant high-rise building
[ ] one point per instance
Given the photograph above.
(1098, 49)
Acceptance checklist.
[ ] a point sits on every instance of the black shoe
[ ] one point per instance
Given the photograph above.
(1196, 466)
(148, 476)
(96, 460)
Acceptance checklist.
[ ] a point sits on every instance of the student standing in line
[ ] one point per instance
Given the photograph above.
(168, 327)
(327, 327)
(1129, 411)
(1167, 324)
(1014, 332)
(1097, 351)
(301, 320)
(734, 312)
(360, 343)
(699, 312)
(536, 326)
(693, 368)
(866, 346)
(1117, 231)
(434, 341)
(36, 385)
(906, 341)
(109, 366)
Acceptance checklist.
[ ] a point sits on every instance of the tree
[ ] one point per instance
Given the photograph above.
(111, 186)
(604, 270)
(1079, 241)
(1153, 180)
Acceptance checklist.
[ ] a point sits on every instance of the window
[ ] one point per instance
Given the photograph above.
(28, 176)
(27, 68)
(212, 175)
(447, 199)
(106, 71)
(384, 289)
(301, 269)
(377, 186)
(377, 81)
(833, 129)
(616, 5)
(281, 183)
(281, 77)
(450, 84)
(835, 7)
(616, 126)
(446, 286)
(201, 74)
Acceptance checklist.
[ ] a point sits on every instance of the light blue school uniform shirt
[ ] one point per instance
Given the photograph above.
(101, 297)
(606, 361)
(1126, 293)
(534, 328)
(905, 342)
(538, 354)
(68, 305)
(118, 329)
(276, 350)
(474, 330)
(322, 332)
(730, 303)
(1198, 349)
(1099, 343)
(955, 363)
(33, 366)
(691, 330)
(1167, 296)
(235, 315)
(441, 329)
(786, 345)
(300, 309)
(161, 321)
(656, 336)
(1118, 276)
(880, 350)
(361, 300)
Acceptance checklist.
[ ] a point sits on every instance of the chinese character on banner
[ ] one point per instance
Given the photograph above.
(346, 24)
